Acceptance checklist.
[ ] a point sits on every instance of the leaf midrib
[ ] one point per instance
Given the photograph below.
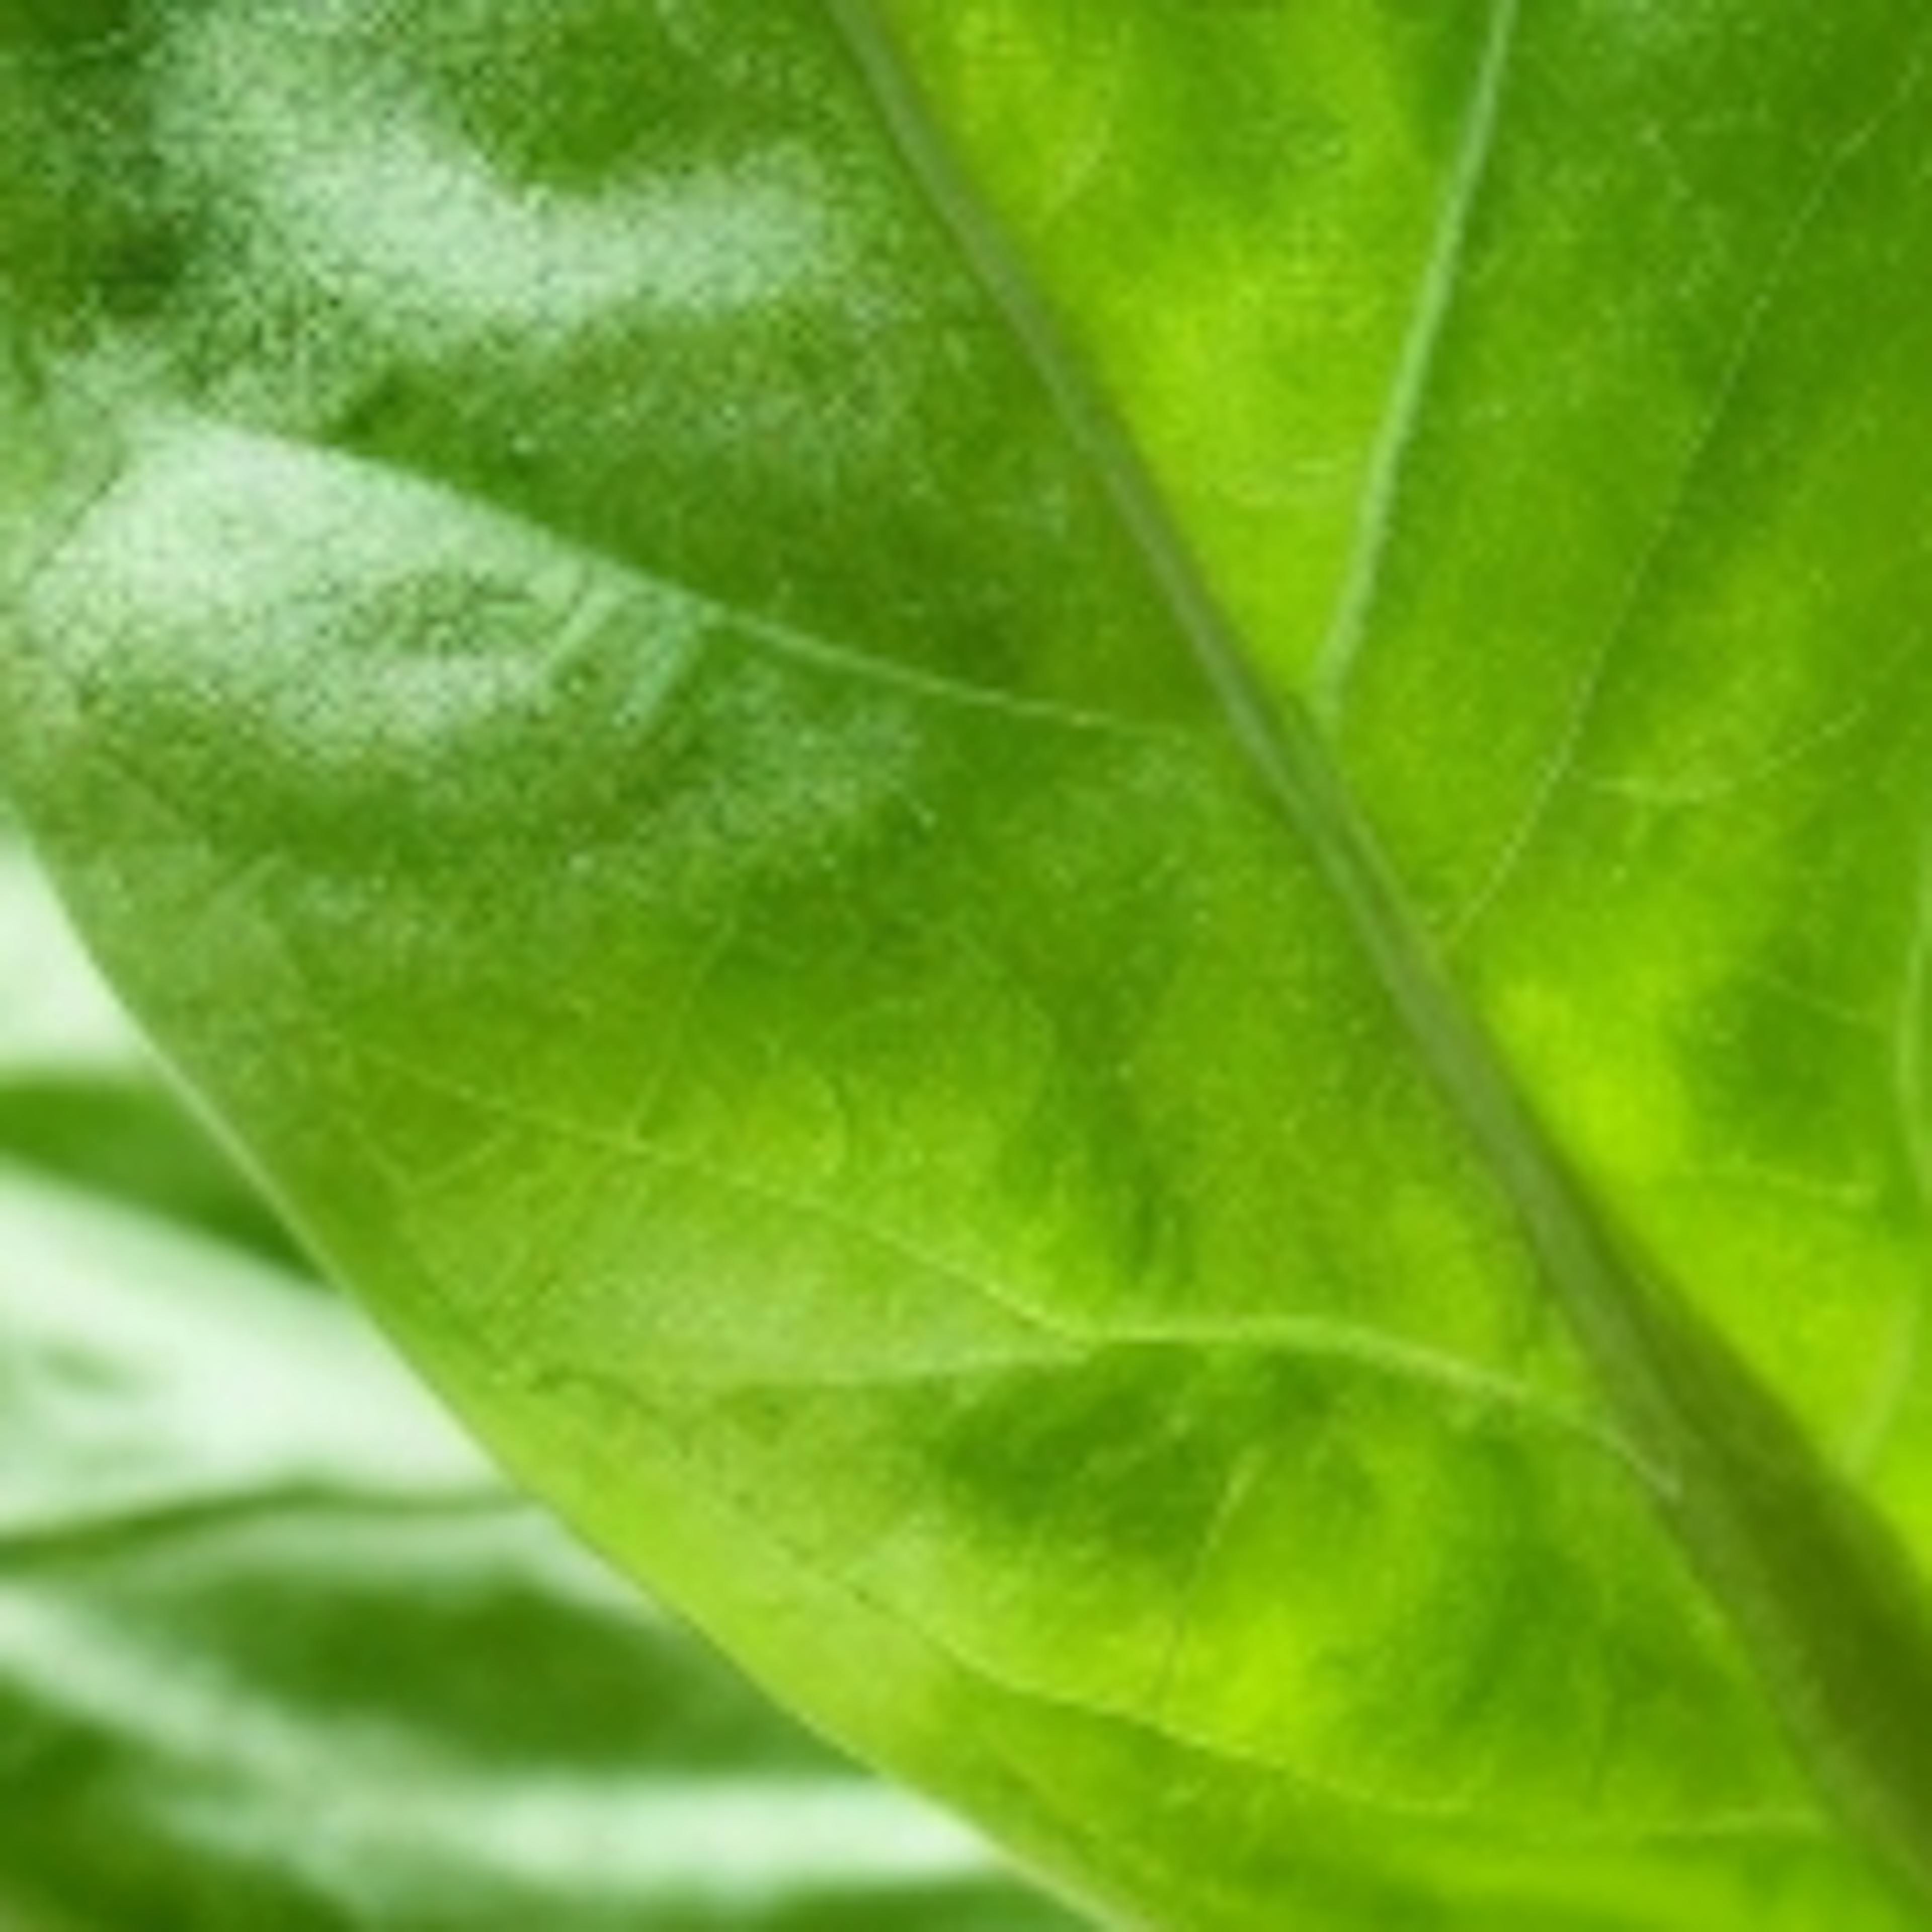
(1822, 1596)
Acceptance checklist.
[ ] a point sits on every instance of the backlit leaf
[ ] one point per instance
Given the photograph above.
(1083, 847)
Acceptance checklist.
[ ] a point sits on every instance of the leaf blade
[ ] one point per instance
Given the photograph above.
(1192, 857)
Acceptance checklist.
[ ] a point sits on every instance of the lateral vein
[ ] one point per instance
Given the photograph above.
(1389, 459)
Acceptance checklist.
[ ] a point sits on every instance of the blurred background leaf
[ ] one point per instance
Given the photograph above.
(79, 1094)
(279, 1649)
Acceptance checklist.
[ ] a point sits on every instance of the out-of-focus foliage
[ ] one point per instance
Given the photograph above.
(80, 1096)
(279, 1651)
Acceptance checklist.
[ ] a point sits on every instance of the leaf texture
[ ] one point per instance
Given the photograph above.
(1299, 1284)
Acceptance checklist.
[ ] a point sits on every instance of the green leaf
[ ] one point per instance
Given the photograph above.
(1084, 848)
(277, 1647)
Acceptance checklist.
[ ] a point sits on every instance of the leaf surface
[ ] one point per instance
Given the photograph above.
(1085, 851)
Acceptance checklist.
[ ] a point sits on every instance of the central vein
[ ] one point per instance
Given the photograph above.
(1822, 1596)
